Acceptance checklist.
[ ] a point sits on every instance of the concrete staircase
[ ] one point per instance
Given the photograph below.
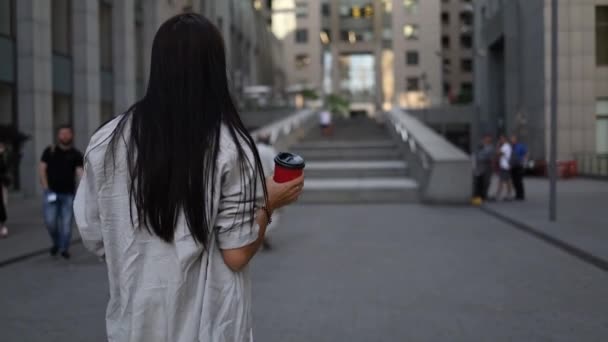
(358, 164)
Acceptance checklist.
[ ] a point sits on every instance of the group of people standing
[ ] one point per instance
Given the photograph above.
(61, 166)
(507, 159)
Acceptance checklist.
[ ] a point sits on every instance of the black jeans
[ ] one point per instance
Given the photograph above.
(517, 177)
(481, 184)
(2, 206)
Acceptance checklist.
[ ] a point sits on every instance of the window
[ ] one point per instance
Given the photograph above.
(62, 111)
(445, 42)
(466, 41)
(466, 18)
(105, 36)
(387, 33)
(411, 58)
(601, 35)
(412, 84)
(6, 104)
(61, 29)
(7, 17)
(325, 9)
(447, 89)
(301, 36)
(466, 88)
(410, 32)
(388, 6)
(445, 18)
(466, 65)
(302, 61)
(301, 9)
(344, 35)
(411, 6)
(325, 36)
(601, 136)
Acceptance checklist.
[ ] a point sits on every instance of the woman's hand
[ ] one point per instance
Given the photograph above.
(282, 194)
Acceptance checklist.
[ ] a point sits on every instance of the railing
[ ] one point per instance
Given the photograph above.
(443, 172)
(592, 165)
(285, 132)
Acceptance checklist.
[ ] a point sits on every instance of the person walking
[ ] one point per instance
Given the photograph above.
(325, 123)
(504, 166)
(518, 161)
(267, 154)
(61, 166)
(4, 182)
(169, 198)
(483, 167)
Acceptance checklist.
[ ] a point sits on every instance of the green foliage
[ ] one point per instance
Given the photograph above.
(465, 97)
(337, 104)
(310, 94)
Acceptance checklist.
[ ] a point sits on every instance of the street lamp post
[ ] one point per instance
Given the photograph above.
(553, 139)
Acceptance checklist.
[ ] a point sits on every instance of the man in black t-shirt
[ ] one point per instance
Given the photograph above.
(60, 167)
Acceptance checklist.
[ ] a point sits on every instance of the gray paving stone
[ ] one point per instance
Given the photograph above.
(357, 273)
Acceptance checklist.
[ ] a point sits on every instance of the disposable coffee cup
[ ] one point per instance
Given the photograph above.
(287, 166)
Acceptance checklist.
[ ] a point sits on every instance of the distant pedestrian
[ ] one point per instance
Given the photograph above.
(325, 122)
(504, 167)
(483, 167)
(60, 167)
(3, 192)
(518, 161)
(267, 154)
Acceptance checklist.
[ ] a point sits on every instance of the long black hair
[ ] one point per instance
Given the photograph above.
(174, 139)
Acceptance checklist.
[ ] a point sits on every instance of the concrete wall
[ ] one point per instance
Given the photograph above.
(581, 82)
(443, 172)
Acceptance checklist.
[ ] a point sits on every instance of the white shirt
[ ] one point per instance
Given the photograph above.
(325, 118)
(163, 291)
(267, 154)
(505, 156)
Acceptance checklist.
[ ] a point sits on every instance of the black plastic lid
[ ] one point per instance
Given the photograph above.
(290, 160)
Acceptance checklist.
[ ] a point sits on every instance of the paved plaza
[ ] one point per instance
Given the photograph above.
(371, 270)
(357, 273)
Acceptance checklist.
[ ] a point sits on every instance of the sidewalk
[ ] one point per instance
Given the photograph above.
(27, 233)
(582, 212)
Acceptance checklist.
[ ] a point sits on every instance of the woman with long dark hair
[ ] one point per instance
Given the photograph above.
(168, 198)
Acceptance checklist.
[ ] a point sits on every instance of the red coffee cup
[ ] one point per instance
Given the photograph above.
(287, 166)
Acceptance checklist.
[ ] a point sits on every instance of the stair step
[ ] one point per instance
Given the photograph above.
(356, 169)
(344, 144)
(350, 154)
(360, 190)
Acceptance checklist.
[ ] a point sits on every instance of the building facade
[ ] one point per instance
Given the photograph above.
(513, 61)
(297, 24)
(457, 50)
(80, 62)
(383, 52)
